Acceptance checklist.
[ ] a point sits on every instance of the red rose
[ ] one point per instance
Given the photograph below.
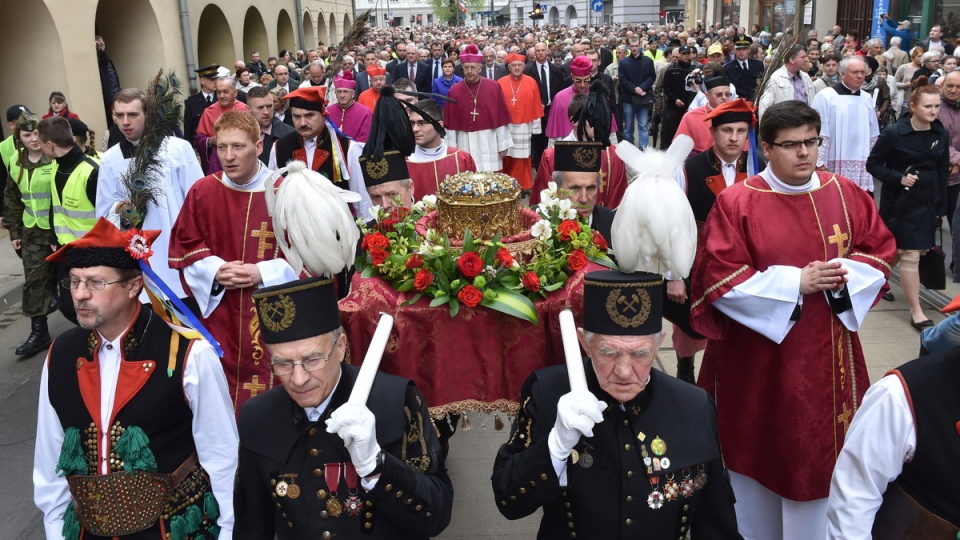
(423, 279)
(531, 281)
(388, 224)
(375, 241)
(568, 227)
(414, 262)
(470, 296)
(378, 256)
(504, 257)
(576, 259)
(600, 241)
(470, 264)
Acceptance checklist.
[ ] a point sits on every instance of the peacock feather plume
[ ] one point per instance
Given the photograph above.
(354, 35)
(143, 181)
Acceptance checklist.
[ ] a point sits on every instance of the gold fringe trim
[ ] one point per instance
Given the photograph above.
(505, 406)
(719, 284)
(872, 258)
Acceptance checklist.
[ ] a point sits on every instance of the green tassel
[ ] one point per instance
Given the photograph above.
(214, 531)
(71, 525)
(71, 454)
(133, 449)
(210, 507)
(178, 528)
(193, 517)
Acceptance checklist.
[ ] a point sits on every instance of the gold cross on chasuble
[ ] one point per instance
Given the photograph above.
(255, 386)
(264, 235)
(844, 418)
(839, 238)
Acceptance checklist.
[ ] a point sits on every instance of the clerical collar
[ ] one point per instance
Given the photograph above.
(314, 413)
(347, 107)
(778, 185)
(421, 154)
(844, 90)
(254, 184)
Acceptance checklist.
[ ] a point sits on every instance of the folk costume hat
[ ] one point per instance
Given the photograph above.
(391, 140)
(619, 304)
(715, 81)
(738, 110)
(577, 156)
(297, 310)
(596, 111)
(106, 245)
(311, 98)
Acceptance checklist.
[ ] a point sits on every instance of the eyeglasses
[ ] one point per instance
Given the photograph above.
(309, 364)
(93, 285)
(418, 123)
(795, 145)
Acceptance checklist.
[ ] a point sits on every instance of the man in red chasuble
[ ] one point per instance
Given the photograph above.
(433, 160)
(477, 122)
(792, 260)
(224, 246)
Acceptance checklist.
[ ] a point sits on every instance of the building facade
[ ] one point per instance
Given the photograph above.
(52, 42)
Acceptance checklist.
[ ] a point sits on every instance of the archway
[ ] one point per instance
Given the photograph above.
(323, 35)
(334, 33)
(570, 16)
(132, 35)
(286, 39)
(255, 35)
(309, 34)
(24, 21)
(553, 17)
(346, 24)
(215, 39)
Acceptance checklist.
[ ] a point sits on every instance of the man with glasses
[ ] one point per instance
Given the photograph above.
(433, 159)
(312, 464)
(126, 402)
(790, 264)
(849, 126)
(694, 123)
(350, 117)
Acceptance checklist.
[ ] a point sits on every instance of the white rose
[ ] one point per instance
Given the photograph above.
(542, 229)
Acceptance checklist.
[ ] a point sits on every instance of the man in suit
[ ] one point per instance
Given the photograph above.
(436, 60)
(415, 70)
(363, 80)
(194, 105)
(490, 68)
(260, 105)
(282, 79)
(606, 54)
(550, 80)
(743, 71)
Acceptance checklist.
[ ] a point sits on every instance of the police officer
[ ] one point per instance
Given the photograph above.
(636, 454)
(26, 204)
(74, 191)
(194, 105)
(312, 465)
(744, 72)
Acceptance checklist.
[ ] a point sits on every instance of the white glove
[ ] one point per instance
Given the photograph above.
(577, 413)
(357, 426)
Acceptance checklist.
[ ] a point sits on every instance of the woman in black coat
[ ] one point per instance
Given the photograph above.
(912, 160)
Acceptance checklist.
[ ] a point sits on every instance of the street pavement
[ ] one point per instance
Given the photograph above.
(887, 337)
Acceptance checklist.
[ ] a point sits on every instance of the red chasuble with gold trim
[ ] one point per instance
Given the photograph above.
(427, 175)
(784, 409)
(233, 225)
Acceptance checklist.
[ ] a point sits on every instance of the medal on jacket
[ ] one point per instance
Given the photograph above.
(686, 486)
(700, 480)
(586, 460)
(332, 476)
(293, 490)
(353, 504)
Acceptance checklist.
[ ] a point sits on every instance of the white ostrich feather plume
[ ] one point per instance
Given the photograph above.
(312, 220)
(654, 229)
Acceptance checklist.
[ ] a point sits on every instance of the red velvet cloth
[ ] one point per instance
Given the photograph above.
(477, 360)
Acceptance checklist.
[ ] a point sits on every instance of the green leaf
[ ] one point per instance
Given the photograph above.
(454, 306)
(509, 280)
(413, 300)
(439, 300)
(467, 241)
(603, 260)
(406, 286)
(513, 304)
(367, 272)
(552, 287)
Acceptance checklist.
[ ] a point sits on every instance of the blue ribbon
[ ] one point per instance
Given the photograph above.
(184, 311)
(753, 160)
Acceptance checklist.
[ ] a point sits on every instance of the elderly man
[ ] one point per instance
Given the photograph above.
(849, 126)
(415, 70)
(314, 465)
(477, 116)
(635, 453)
(205, 141)
(260, 105)
(377, 77)
(787, 306)
(221, 243)
(350, 117)
(490, 68)
(788, 83)
(523, 101)
(693, 124)
(893, 478)
(433, 160)
(316, 74)
(895, 55)
(125, 402)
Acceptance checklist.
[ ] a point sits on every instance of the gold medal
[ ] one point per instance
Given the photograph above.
(658, 446)
(333, 507)
(293, 491)
(281, 489)
(574, 456)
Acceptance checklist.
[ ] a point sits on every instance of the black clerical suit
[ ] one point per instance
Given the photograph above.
(412, 499)
(608, 494)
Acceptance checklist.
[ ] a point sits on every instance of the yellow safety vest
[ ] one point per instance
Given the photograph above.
(76, 214)
(7, 152)
(35, 187)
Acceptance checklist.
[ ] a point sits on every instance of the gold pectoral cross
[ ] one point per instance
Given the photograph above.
(844, 418)
(514, 101)
(255, 386)
(474, 113)
(839, 238)
(264, 235)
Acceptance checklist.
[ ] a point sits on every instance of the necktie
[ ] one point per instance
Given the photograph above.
(489, 73)
(543, 85)
(436, 71)
(743, 66)
(411, 72)
(210, 99)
